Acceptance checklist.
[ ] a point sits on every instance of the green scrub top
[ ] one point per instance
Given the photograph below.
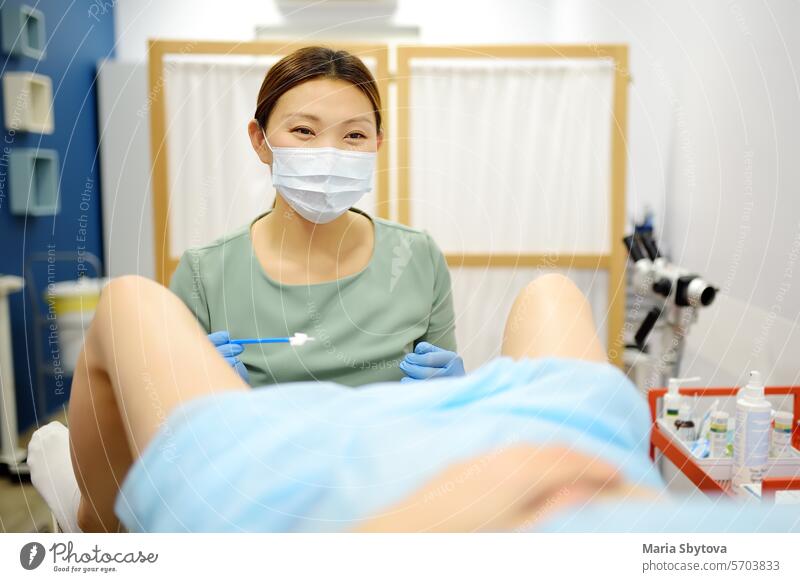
(364, 324)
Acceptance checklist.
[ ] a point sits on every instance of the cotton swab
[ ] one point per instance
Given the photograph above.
(298, 339)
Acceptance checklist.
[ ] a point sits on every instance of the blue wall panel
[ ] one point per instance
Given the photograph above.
(79, 34)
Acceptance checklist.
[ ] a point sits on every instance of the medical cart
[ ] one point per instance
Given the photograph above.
(712, 476)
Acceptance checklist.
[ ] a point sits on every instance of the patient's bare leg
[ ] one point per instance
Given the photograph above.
(143, 355)
(551, 317)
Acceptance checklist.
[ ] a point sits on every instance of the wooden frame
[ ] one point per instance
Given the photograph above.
(614, 262)
(158, 49)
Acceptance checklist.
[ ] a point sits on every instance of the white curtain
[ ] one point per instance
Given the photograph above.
(511, 156)
(216, 181)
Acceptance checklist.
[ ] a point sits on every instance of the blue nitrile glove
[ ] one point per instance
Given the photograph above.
(229, 351)
(427, 361)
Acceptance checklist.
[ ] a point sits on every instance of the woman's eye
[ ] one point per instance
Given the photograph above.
(356, 135)
(302, 131)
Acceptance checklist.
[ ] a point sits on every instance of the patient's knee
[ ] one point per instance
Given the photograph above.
(126, 292)
(552, 285)
(552, 295)
(128, 287)
(551, 291)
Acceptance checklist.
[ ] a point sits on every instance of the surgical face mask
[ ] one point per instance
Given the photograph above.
(321, 184)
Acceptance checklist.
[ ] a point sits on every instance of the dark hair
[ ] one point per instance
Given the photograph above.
(314, 62)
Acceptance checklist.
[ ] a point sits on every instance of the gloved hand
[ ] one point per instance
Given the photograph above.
(427, 361)
(229, 351)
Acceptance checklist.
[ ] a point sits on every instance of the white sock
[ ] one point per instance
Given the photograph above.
(52, 475)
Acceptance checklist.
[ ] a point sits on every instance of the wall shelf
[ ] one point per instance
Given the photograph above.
(33, 182)
(23, 31)
(28, 102)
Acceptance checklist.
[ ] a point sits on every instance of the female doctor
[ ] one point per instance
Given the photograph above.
(374, 294)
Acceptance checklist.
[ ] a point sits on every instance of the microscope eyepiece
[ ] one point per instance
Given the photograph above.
(694, 291)
(707, 295)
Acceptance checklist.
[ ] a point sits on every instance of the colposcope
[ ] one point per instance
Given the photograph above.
(678, 295)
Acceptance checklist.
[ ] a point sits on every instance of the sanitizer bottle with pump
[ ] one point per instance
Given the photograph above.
(673, 399)
(751, 433)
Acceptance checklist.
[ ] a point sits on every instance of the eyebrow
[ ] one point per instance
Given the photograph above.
(310, 117)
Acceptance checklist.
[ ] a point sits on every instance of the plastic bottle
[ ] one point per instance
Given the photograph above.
(673, 399)
(781, 435)
(718, 434)
(684, 426)
(751, 434)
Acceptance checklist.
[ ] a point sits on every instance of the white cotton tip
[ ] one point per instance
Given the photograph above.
(299, 339)
(52, 475)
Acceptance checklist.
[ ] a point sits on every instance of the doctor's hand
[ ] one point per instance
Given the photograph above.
(229, 351)
(427, 361)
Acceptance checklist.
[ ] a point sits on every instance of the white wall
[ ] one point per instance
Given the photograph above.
(439, 21)
(715, 138)
(136, 22)
(124, 121)
(714, 135)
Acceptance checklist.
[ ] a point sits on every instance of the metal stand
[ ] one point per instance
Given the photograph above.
(679, 294)
(11, 456)
(673, 328)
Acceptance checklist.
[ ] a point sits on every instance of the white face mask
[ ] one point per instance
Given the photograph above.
(321, 184)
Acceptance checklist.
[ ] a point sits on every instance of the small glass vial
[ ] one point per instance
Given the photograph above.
(718, 435)
(781, 442)
(684, 426)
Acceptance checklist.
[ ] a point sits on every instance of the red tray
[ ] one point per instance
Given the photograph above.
(661, 441)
